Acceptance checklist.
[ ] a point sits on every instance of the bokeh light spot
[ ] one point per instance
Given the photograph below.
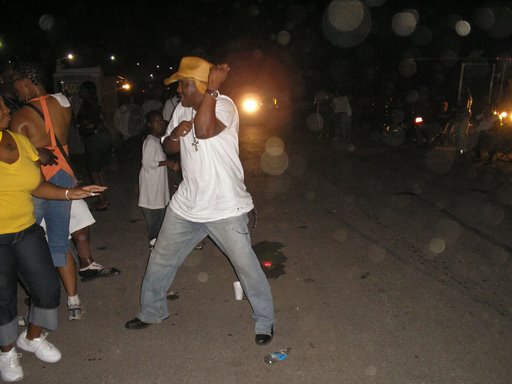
(462, 27)
(274, 146)
(202, 277)
(502, 27)
(407, 67)
(274, 165)
(345, 15)
(340, 235)
(283, 37)
(346, 23)
(437, 245)
(46, 22)
(404, 23)
(412, 96)
(484, 18)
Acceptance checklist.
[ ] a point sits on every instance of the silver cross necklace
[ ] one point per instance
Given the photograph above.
(195, 142)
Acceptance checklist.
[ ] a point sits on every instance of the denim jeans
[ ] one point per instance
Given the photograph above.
(176, 240)
(56, 216)
(153, 219)
(26, 255)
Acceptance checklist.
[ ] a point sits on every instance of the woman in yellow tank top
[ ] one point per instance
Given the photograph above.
(24, 252)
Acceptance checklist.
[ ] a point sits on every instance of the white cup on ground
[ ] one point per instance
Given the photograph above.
(239, 292)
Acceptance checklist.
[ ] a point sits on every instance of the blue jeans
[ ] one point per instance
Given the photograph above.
(56, 215)
(177, 239)
(25, 254)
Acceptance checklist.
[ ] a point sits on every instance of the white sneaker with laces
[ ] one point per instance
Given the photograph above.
(43, 349)
(10, 366)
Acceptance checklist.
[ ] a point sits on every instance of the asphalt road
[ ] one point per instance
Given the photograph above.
(389, 266)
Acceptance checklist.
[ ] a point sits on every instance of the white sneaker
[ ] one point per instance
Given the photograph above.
(10, 366)
(75, 311)
(43, 349)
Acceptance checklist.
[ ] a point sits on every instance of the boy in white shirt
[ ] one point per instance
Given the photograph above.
(153, 182)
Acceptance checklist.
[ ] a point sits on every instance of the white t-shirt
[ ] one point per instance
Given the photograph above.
(153, 180)
(213, 178)
(169, 107)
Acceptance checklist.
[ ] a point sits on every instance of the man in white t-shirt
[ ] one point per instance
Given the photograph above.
(211, 200)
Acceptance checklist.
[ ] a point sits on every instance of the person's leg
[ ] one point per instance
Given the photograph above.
(67, 273)
(57, 217)
(154, 219)
(101, 202)
(89, 269)
(176, 240)
(97, 151)
(81, 240)
(8, 293)
(232, 236)
(79, 226)
(36, 270)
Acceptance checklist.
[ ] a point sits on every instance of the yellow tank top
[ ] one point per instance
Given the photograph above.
(17, 181)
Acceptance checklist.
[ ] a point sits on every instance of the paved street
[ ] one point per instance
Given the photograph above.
(389, 266)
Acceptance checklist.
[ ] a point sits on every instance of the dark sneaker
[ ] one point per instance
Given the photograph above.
(75, 311)
(96, 270)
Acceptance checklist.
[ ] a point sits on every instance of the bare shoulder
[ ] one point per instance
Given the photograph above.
(26, 122)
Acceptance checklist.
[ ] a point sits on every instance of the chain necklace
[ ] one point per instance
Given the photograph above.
(195, 142)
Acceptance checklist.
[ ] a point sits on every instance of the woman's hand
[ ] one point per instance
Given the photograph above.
(84, 192)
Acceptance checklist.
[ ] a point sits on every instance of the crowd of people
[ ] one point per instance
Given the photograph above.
(423, 122)
(42, 208)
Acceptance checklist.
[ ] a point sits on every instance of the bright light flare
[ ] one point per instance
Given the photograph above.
(267, 264)
(251, 103)
(418, 120)
(126, 86)
(70, 56)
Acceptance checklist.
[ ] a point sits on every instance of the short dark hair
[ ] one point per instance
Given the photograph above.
(153, 113)
(29, 70)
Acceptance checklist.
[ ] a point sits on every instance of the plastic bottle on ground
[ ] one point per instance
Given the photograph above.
(277, 356)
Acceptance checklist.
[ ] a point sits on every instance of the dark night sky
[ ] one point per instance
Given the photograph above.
(152, 33)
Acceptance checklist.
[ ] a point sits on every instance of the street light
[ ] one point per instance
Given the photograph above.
(62, 60)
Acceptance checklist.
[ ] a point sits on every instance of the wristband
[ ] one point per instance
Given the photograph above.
(67, 197)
